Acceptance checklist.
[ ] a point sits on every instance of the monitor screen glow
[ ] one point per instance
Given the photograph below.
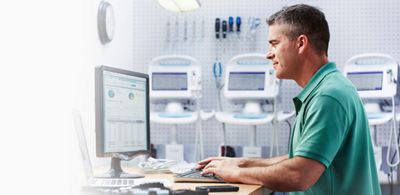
(366, 81)
(169, 81)
(122, 112)
(246, 81)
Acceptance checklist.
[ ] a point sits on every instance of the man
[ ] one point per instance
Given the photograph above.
(330, 151)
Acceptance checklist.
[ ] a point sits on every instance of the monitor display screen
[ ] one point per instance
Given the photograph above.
(366, 81)
(246, 81)
(169, 81)
(122, 106)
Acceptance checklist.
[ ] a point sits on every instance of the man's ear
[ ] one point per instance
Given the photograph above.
(302, 43)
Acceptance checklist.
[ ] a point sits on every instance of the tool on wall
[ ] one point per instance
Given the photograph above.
(168, 31)
(238, 24)
(194, 29)
(176, 30)
(253, 24)
(185, 26)
(217, 28)
(224, 28)
(230, 22)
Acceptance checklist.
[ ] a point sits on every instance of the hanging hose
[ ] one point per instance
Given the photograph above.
(396, 144)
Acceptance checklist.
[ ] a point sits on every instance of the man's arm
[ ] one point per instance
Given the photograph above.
(295, 174)
(244, 162)
(263, 162)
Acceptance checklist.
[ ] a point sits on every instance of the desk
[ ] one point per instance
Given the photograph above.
(243, 188)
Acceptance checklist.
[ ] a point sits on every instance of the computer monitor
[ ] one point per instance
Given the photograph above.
(122, 116)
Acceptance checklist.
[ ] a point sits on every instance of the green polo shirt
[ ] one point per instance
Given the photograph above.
(332, 128)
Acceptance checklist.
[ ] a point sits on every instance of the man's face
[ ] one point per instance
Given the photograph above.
(282, 52)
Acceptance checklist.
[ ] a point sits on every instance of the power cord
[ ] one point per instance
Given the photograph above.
(390, 175)
(396, 144)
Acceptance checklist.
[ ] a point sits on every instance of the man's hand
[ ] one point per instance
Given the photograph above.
(294, 174)
(226, 168)
(240, 162)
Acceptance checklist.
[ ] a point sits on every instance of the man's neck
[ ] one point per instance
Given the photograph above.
(310, 66)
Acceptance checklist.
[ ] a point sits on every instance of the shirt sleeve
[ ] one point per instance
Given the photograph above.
(325, 126)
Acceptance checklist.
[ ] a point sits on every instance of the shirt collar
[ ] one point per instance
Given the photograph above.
(314, 81)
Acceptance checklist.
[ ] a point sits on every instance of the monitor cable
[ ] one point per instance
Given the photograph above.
(396, 137)
(391, 169)
(393, 135)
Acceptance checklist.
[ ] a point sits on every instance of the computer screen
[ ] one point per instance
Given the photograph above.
(246, 81)
(366, 81)
(169, 81)
(122, 112)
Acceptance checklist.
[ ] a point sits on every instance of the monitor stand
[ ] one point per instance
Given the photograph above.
(117, 172)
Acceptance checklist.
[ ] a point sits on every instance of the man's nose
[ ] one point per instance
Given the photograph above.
(270, 55)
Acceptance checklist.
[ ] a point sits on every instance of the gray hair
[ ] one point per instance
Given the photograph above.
(307, 20)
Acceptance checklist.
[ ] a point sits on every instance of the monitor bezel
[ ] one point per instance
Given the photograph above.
(99, 109)
(173, 94)
(271, 86)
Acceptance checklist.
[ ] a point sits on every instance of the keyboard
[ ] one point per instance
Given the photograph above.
(110, 183)
(121, 182)
(194, 175)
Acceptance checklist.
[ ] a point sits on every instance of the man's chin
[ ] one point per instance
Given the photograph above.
(280, 76)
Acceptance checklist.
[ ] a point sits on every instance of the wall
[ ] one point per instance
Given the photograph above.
(41, 53)
(117, 53)
(356, 27)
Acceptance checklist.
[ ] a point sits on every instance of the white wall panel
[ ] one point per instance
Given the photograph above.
(356, 26)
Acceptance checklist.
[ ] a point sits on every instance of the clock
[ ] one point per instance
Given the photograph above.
(105, 22)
